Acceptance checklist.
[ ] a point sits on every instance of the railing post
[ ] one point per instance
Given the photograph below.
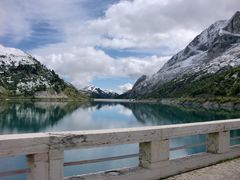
(38, 164)
(153, 153)
(218, 142)
(56, 160)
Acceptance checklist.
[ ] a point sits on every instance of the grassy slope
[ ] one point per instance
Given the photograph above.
(31, 73)
(222, 86)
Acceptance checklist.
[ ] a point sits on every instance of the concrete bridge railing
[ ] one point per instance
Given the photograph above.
(45, 151)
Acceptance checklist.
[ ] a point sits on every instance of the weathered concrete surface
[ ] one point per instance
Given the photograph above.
(45, 151)
(229, 170)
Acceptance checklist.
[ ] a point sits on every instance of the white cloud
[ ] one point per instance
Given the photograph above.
(14, 24)
(123, 110)
(153, 23)
(80, 65)
(125, 87)
(76, 64)
(126, 24)
(17, 17)
(138, 25)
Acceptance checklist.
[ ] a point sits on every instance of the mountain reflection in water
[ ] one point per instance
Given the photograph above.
(21, 117)
(25, 117)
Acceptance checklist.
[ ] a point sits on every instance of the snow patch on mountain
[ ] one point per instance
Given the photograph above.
(215, 48)
(12, 56)
(97, 92)
(11, 51)
(22, 75)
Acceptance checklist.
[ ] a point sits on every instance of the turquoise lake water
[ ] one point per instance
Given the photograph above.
(28, 117)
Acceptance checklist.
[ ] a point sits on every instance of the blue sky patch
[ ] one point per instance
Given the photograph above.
(114, 82)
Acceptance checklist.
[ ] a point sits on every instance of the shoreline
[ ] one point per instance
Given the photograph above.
(127, 100)
(214, 103)
(44, 99)
(219, 103)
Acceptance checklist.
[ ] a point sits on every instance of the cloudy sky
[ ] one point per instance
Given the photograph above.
(108, 43)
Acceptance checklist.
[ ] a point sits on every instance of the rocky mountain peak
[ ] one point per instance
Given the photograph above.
(16, 57)
(22, 75)
(11, 51)
(215, 49)
(141, 79)
(97, 92)
(233, 25)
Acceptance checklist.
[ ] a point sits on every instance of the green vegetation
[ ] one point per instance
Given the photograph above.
(24, 81)
(218, 99)
(74, 94)
(223, 86)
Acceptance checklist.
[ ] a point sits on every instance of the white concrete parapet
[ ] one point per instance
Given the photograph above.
(45, 151)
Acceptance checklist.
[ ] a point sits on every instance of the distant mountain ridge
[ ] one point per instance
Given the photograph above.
(211, 53)
(21, 75)
(96, 92)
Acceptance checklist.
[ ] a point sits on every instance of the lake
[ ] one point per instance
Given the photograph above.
(28, 117)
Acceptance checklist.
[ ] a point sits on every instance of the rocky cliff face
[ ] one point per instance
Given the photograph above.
(21, 75)
(215, 49)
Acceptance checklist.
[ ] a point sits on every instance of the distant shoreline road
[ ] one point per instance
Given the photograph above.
(128, 100)
(114, 100)
(125, 100)
(209, 104)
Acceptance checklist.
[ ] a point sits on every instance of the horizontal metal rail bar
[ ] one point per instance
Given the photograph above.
(188, 146)
(75, 163)
(175, 166)
(15, 172)
(27, 170)
(235, 138)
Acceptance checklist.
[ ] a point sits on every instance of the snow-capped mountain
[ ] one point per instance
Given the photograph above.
(16, 57)
(22, 75)
(97, 92)
(215, 49)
